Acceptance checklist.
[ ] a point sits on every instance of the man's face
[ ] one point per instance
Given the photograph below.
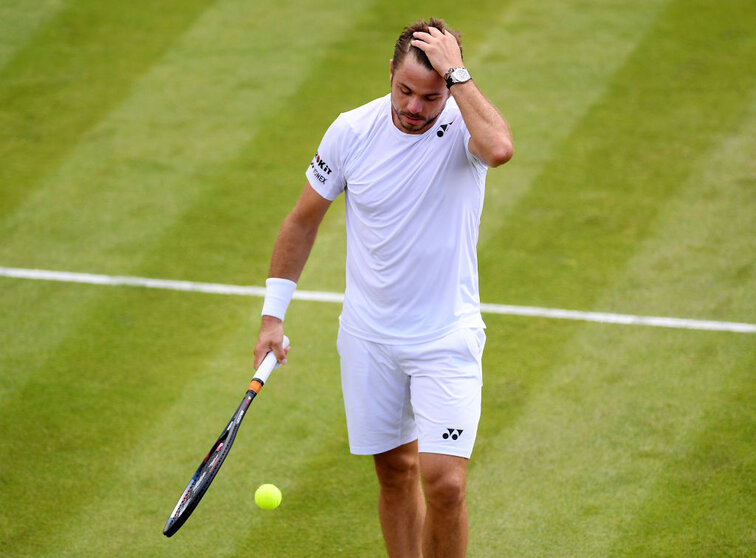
(418, 96)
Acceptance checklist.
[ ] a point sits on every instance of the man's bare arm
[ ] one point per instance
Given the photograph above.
(491, 140)
(297, 235)
(290, 253)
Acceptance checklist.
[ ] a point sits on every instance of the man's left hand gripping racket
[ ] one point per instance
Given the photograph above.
(207, 470)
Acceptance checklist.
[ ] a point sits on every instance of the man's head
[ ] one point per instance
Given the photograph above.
(403, 45)
(418, 92)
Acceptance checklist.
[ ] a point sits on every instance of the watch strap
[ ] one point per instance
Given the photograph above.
(448, 76)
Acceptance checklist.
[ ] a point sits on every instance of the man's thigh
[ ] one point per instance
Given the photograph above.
(446, 392)
(394, 394)
(376, 397)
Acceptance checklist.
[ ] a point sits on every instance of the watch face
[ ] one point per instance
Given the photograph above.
(460, 74)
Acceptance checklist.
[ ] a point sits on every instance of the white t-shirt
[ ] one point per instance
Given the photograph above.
(413, 205)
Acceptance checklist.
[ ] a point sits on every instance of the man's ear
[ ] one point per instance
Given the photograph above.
(391, 69)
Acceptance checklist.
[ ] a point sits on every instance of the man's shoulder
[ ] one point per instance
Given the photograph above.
(365, 115)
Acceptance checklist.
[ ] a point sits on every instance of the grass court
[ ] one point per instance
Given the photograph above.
(169, 140)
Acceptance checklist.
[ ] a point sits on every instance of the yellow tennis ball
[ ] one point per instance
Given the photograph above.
(268, 496)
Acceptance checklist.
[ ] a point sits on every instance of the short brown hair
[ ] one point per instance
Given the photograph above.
(403, 45)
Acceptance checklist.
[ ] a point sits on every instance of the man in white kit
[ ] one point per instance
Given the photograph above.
(412, 167)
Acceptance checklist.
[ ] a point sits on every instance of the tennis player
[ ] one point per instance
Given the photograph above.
(412, 167)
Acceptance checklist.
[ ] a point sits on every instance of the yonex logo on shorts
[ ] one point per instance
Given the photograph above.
(452, 433)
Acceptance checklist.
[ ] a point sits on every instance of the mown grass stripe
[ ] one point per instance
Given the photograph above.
(183, 139)
(701, 250)
(78, 351)
(594, 440)
(71, 73)
(581, 426)
(90, 400)
(595, 201)
(116, 197)
(698, 256)
(20, 19)
(79, 363)
(157, 466)
(319, 296)
(703, 501)
(545, 65)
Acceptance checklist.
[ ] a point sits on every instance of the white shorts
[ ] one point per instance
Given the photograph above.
(430, 392)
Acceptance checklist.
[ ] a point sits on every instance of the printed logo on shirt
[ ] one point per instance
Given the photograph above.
(442, 129)
(320, 168)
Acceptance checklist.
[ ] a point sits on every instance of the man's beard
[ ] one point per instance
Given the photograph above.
(422, 126)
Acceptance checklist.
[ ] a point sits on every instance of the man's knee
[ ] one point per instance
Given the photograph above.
(444, 481)
(445, 492)
(399, 467)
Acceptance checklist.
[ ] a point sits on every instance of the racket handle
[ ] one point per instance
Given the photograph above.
(269, 364)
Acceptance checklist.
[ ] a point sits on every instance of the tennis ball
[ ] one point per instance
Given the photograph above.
(268, 496)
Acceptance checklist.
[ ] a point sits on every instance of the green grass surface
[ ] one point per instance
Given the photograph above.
(170, 141)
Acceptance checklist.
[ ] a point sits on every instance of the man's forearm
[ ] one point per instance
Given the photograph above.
(297, 235)
(491, 140)
(291, 250)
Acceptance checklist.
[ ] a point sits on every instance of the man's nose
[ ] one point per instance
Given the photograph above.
(415, 106)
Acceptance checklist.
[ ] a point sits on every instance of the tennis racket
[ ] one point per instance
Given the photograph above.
(209, 467)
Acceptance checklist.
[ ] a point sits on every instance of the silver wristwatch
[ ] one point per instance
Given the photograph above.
(456, 75)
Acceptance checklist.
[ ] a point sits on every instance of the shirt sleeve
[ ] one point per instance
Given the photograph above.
(326, 171)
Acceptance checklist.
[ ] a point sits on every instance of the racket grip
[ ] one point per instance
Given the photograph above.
(269, 364)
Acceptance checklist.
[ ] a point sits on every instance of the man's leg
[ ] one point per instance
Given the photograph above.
(445, 388)
(445, 529)
(401, 506)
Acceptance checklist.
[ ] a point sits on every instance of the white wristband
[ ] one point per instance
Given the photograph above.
(278, 293)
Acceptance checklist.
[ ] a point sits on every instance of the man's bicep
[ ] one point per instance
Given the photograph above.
(311, 206)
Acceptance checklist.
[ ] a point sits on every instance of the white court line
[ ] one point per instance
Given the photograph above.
(217, 288)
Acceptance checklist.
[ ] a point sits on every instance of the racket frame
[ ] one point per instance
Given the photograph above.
(211, 464)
